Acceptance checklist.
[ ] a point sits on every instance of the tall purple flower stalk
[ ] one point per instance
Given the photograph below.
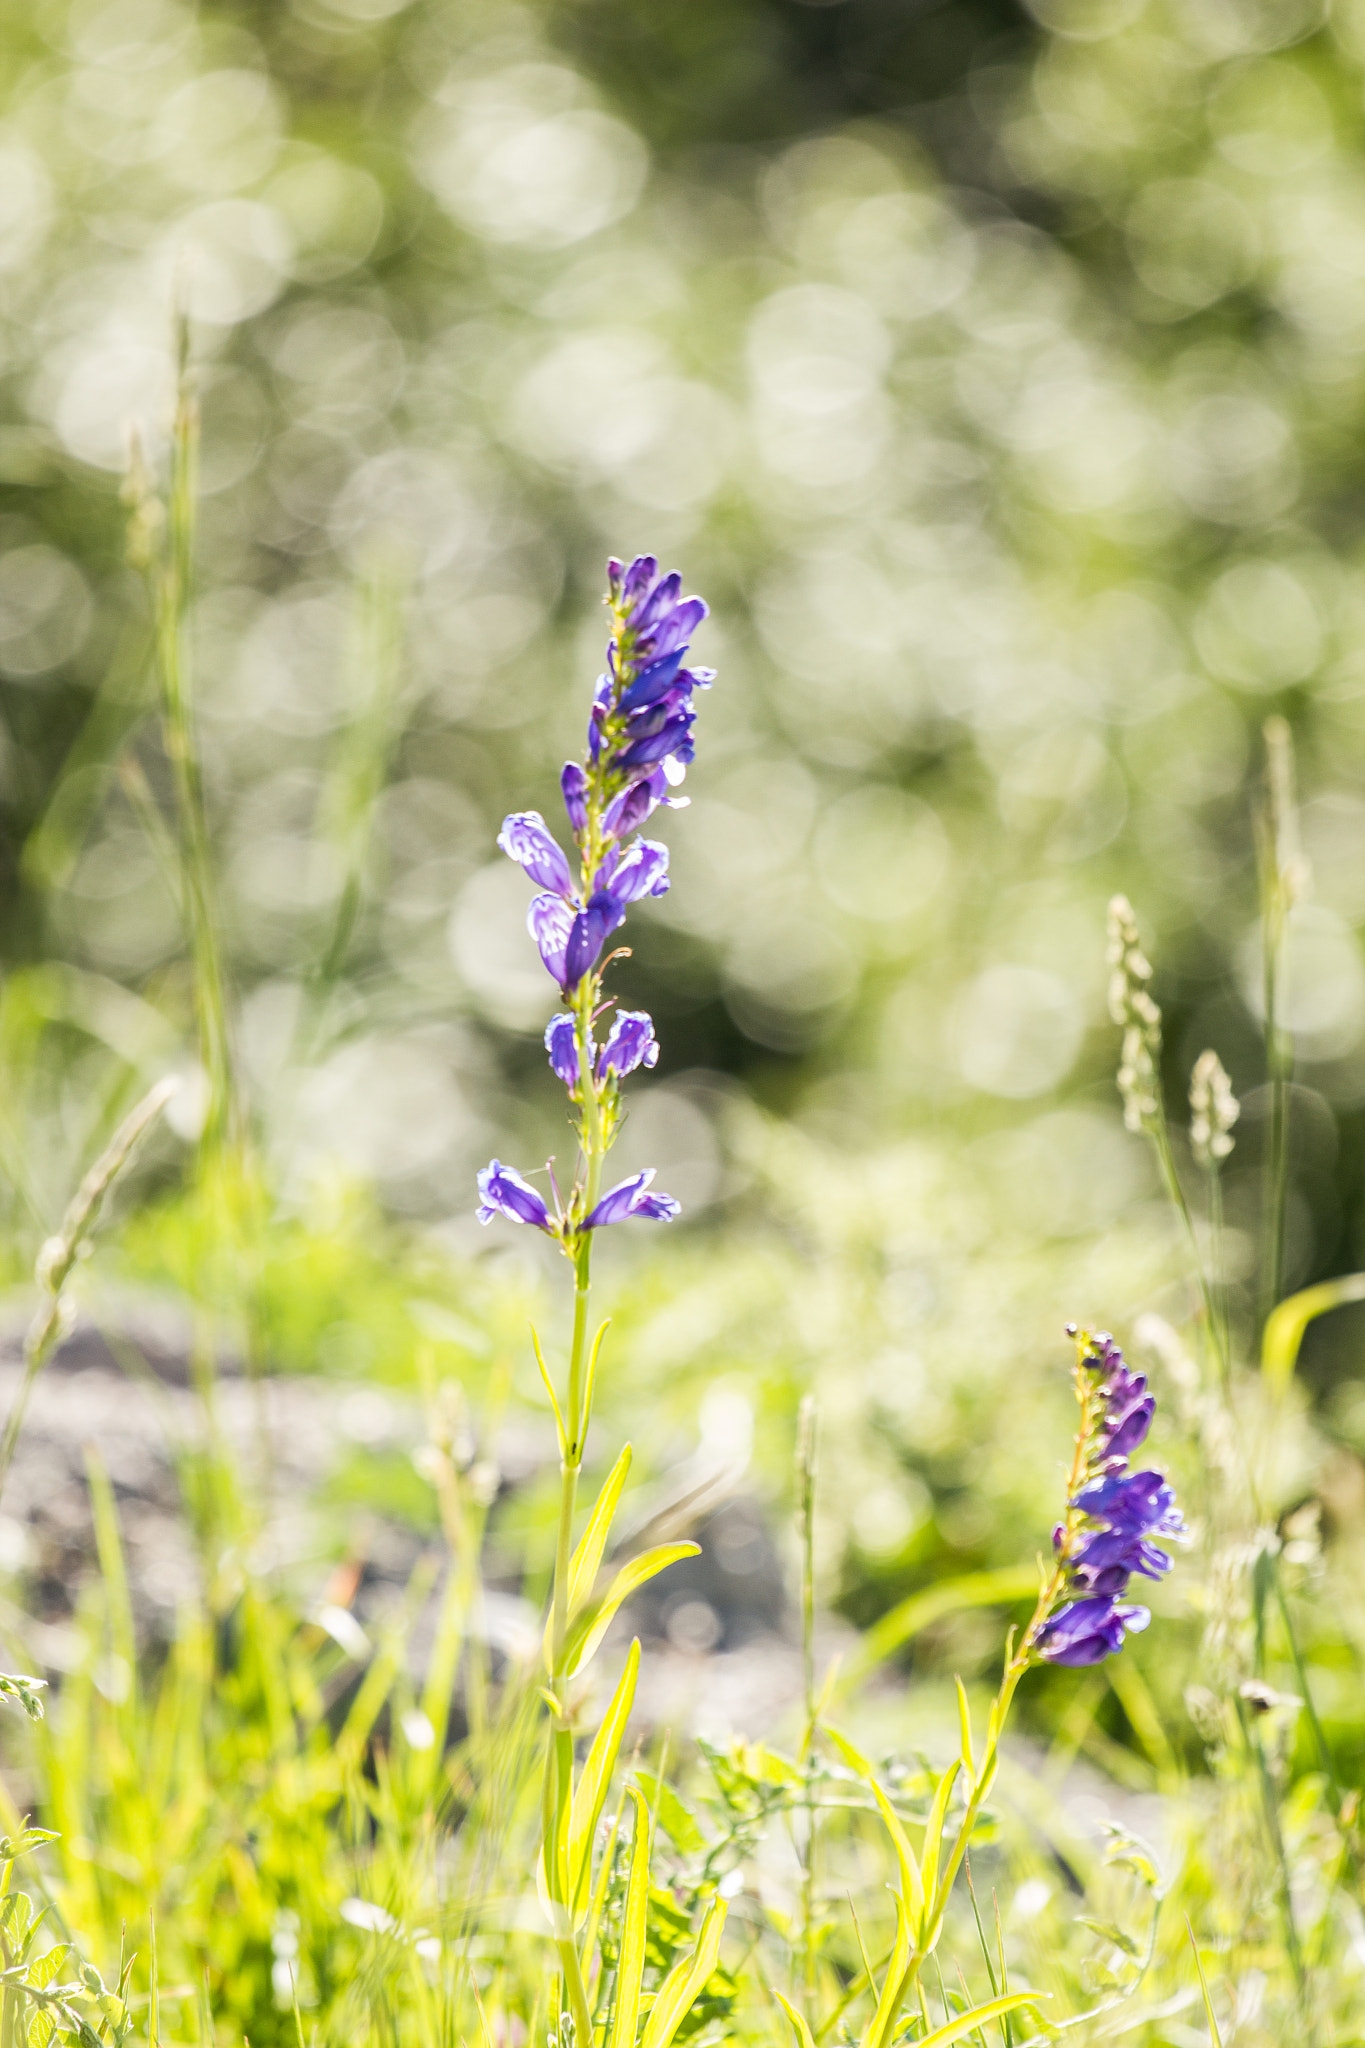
(639, 747)
(1115, 1518)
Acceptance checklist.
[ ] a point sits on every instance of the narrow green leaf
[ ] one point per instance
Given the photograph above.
(964, 1715)
(1109, 1930)
(594, 1621)
(1214, 2035)
(964, 2022)
(1286, 1323)
(678, 1992)
(550, 1390)
(912, 1886)
(591, 1794)
(634, 1926)
(888, 2004)
(933, 1832)
(587, 1558)
(804, 2037)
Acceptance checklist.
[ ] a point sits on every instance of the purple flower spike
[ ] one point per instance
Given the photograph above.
(629, 1198)
(1087, 1631)
(630, 1043)
(562, 1045)
(503, 1192)
(527, 839)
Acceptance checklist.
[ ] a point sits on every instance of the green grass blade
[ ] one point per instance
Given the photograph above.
(1214, 2035)
(634, 1926)
(678, 1992)
(967, 2022)
(893, 1984)
(803, 2034)
(933, 1833)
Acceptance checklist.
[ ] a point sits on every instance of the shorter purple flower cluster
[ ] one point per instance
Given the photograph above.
(1114, 1516)
(639, 747)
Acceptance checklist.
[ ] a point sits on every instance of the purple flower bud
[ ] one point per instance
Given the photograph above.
(1139, 1503)
(633, 806)
(639, 870)
(630, 1043)
(550, 921)
(651, 682)
(1086, 1631)
(662, 599)
(588, 934)
(628, 1198)
(638, 578)
(526, 837)
(561, 1042)
(673, 738)
(574, 784)
(677, 629)
(505, 1193)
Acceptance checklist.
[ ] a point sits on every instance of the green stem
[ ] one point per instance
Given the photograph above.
(173, 589)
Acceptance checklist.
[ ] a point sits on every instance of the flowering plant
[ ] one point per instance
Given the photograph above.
(639, 747)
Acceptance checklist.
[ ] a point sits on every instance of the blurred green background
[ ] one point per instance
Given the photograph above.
(997, 377)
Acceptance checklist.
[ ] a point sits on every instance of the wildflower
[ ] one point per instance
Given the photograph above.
(629, 1198)
(561, 1043)
(1114, 1517)
(630, 1043)
(1086, 1631)
(1214, 1109)
(639, 746)
(505, 1193)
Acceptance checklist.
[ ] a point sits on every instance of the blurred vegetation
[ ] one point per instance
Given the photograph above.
(996, 377)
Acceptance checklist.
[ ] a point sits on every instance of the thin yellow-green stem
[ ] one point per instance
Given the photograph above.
(173, 586)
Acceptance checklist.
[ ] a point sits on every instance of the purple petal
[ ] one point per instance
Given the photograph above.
(641, 870)
(661, 600)
(629, 1198)
(638, 578)
(503, 1192)
(630, 1043)
(574, 784)
(675, 630)
(673, 739)
(651, 682)
(633, 805)
(526, 837)
(550, 921)
(1088, 1630)
(561, 1043)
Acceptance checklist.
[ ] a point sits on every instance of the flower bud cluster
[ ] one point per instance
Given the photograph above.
(639, 747)
(1131, 1005)
(1113, 1519)
(1214, 1109)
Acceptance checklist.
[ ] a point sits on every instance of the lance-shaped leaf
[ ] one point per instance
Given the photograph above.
(912, 1887)
(591, 1794)
(804, 2037)
(878, 2030)
(964, 1715)
(593, 1623)
(634, 1928)
(587, 1558)
(678, 1992)
(933, 1839)
(964, 2022)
